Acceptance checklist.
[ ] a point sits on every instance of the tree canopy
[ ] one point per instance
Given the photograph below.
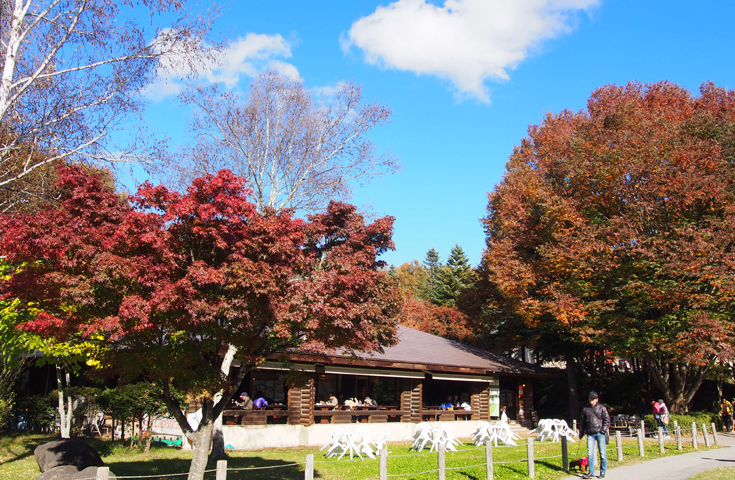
(170, 281)
(613, 228)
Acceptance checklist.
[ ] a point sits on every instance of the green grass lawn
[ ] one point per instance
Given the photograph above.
(17, 461)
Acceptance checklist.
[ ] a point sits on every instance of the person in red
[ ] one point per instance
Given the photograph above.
(661, 413)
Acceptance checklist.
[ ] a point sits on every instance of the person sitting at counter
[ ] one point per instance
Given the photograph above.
(351, 402)
(245, 401)
(259, 401)
(332, 399)
(369, 402)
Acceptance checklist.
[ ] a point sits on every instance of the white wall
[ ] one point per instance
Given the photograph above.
(253, 437)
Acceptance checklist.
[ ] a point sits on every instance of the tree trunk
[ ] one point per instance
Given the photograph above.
(149, 437)
(677, 381)
(201, 440)
(572, 386)
(218, 437)
(64, 414)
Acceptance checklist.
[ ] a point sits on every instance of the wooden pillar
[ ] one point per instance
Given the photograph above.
(411, 402)
(480, 402)
(301, 404)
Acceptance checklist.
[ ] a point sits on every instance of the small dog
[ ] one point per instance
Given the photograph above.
(582, 464)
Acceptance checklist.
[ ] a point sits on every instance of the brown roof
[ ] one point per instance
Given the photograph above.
(418, 350)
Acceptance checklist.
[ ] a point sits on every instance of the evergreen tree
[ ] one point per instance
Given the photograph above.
(433, 267)
(453, 278)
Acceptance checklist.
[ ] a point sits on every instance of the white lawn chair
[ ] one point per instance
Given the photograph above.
(361, 443)
(482, 434)
(442, 434)
(423, 435)
(381, 438)
(338, 443)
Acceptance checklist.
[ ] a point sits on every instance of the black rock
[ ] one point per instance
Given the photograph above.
(67, 452)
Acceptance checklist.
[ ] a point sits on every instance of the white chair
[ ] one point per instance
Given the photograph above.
(442, 434)
(361, 443)
(423, 435)
(381, 438)
(338, 443)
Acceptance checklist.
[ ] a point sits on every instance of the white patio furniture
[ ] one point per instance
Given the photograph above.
(553, 429)
(424, 434)
(442, 434)
(357, 443)
(380, 438)
(494, 431)
(338, 443)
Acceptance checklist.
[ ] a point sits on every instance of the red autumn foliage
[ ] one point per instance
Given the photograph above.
(614, 226)
(447, 322)
(172, 280)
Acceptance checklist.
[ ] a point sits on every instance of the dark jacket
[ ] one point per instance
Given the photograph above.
(594, 419)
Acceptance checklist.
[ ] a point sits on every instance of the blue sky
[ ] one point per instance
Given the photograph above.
(464, 79)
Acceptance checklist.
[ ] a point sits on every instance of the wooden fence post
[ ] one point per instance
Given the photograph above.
(641, 451)
(679, 446)
(619, 445)
(309, 467)
(489, 459)
(694, 435)
(442, 462)
(706, 436)
(714, 433)
(384, 463)
(661, 439)
(531, 470)
(221, 470)
(103, 473)
(564, 454)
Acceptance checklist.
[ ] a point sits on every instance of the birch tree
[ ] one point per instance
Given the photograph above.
(294, 150)
(71, 73)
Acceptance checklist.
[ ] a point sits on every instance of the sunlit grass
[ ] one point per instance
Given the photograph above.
(17, 461)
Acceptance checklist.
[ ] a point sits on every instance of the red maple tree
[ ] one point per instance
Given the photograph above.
(173, 281)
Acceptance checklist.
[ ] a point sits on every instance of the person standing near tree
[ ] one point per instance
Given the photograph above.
(726, 413)
(594, 421)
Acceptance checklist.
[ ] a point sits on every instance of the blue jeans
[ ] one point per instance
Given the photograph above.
(599, 438)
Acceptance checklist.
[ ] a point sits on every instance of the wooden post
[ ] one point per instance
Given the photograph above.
(309, 467)
(677, 431)
(564, 454)
(619, 445)
(706, 437)
(103, 473)
(531, 470)
(641, 451)
(442, 462)
(661, 439)
(714, 433)
(489, 459)
(694, 435)
(574, 424)
(384, 463)
(221, 470)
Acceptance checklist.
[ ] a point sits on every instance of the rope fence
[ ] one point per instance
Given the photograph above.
(708, 434)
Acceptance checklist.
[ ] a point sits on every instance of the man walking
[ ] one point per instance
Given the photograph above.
(595, 423)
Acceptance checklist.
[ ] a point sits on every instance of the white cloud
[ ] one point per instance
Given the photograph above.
(246, 56)
(464, 41)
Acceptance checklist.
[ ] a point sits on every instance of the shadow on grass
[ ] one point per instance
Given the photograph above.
(251, 468)
(29, 445)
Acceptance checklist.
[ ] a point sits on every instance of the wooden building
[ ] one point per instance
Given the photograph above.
(410, 381)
